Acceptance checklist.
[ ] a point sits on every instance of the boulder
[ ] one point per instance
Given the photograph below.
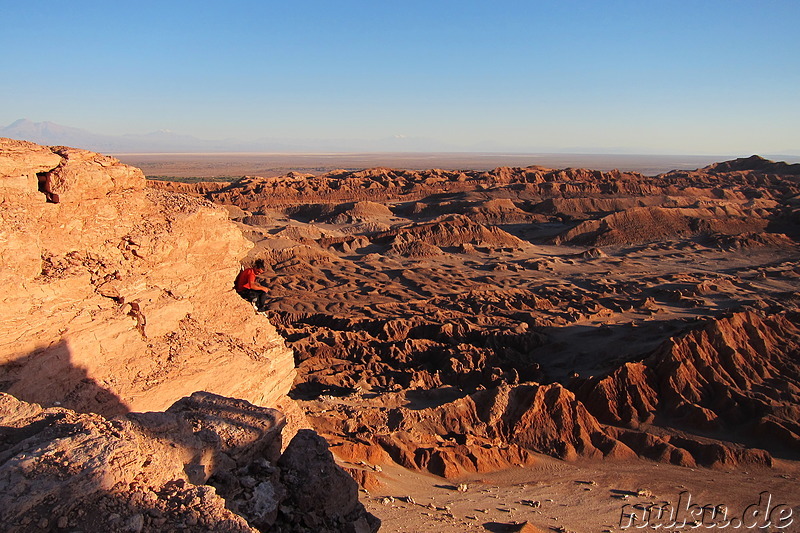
(62, 470)
(321, 493)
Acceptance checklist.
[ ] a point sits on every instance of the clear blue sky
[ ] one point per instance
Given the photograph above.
(700, 76)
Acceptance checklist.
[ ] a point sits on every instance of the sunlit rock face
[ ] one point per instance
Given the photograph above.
(116, 297)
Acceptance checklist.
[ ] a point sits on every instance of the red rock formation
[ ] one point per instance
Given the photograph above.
(737, 373)
(446, 298)
(414, 248)
(452, 230)
(498, 427)
(647, 224)
(754, 163)
(489, 430)
(380, 184)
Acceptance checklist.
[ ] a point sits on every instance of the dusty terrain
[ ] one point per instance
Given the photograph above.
(466, 322)
(236, 165)
(582, 496)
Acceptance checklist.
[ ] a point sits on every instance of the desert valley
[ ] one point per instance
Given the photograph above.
(521, 348)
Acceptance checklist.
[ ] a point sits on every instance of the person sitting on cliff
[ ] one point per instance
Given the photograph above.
(250, 289)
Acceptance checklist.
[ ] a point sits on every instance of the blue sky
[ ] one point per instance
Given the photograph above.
(686, 77)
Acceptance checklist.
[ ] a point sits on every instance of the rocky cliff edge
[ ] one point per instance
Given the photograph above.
(116, 299)
(119, 298)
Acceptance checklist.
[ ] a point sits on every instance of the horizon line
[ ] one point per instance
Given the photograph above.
(453, 152)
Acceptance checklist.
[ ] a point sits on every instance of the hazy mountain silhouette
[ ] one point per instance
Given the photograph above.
(49, 133)
(165, 141)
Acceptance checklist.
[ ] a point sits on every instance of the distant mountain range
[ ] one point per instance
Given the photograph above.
(49, 133)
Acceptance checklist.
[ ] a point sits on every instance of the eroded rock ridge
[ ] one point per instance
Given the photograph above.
(456, 321)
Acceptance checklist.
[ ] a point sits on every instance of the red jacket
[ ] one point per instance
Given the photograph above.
(244, 279)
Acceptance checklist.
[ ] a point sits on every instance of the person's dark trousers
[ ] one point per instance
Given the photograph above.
(255, 296)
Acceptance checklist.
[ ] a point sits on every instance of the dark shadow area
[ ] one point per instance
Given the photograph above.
(596, 350)
(501, 527)
(12, 436)
(420, 399)
(49, 377)
(622, 493)
(536, 232)
(311, 390)
(214, 431)
(44, 187)
(71, 460)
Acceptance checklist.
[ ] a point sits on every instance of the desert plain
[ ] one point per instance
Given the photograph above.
(232, 166)
(536, 348)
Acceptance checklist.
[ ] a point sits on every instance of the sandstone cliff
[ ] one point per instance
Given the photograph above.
(116, 297)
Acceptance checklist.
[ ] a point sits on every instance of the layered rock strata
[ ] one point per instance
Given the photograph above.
(117, 297)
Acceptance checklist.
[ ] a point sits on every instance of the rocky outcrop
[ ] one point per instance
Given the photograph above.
(755, 163)
(413, 248)
(208, 463)
(117, 297)
(360, 212)
(739, 373)
(647, 224)
(506, 426)
(452, 230)
(255, 193)
(323, 497)
(542, 418)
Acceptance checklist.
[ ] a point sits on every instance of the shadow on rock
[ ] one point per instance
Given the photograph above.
(146, 471)
(49, 376)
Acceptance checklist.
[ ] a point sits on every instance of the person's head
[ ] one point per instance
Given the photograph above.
(258, 266)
